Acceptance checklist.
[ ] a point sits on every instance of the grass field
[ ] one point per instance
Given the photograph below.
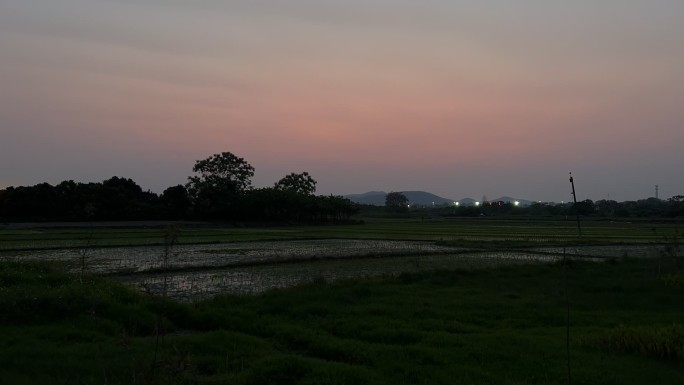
(461, 325)
(525, 231)
(492, 326)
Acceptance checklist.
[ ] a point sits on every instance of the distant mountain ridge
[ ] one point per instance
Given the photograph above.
(426, 198)
(377, 198)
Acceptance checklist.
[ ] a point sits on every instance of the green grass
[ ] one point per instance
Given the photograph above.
(514, 231)
(491, 326)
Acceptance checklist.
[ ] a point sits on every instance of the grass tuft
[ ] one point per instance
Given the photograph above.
(660, 342)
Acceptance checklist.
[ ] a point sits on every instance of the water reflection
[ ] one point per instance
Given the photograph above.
(198, 285)
(196, 272)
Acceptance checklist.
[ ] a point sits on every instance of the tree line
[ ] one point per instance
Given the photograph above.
(643, 208)
(397, 202)
(220, 190)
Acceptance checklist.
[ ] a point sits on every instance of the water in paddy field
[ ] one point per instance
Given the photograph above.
(197, 272)
(114, 260)
(611, 251)
(198, 285)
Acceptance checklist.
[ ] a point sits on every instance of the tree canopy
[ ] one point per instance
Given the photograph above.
(301, 183)
(396, 201)
(221, 179)
(223, 171)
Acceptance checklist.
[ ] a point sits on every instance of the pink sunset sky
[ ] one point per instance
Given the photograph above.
(459, 98)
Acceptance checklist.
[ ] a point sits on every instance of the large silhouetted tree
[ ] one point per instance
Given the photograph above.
(221, 180)
(299, 183)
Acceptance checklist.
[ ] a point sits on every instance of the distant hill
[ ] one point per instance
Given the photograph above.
(377, 198)
(466, 202)
(426, 198)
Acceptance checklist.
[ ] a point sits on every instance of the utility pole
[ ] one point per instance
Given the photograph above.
(656, 191)
(574, 197)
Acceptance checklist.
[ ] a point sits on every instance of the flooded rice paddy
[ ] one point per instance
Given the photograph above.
(197, 272)
(126, 260)
(198, 285)
(613, 251)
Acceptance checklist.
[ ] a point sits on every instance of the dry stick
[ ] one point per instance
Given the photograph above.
(83, 252)
(170, 238)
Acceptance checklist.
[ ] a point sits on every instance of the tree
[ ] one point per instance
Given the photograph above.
(32, 203)
(585, 207)
(223, 171)
(396, 201)
(606, 208)
(123, 199)
(300, 183)
(676, 206)
(222, 179)
(176, 202)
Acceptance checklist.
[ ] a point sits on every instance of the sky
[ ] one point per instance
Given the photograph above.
(458, 98)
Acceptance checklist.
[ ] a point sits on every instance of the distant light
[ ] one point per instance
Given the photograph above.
(516, 203)
(456, 203)
(477, 203)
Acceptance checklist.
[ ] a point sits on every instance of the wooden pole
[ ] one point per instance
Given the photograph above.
(574, 197)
